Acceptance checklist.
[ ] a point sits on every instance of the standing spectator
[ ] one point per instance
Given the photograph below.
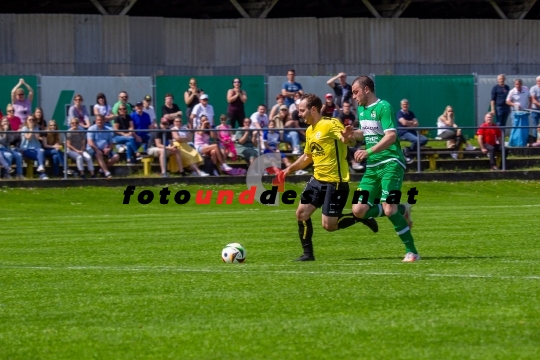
(342, 90)
(5, 148)
(160, 150)
(22, 105)
(329, 109)
(102, 108)
(190, 157)
(203, 146)
(191, 96)
(101, 144)
(259, 119)
(124, 134)
(449, 130)
(203, 108)
(79, 111)
(76, 149)
(236, 97)
(489, 139)
(499, 107)
(407, 122)
(280, 99)
(53, 148)
(519, 99)
(40, 120)
(245, 142)
(225, 139)
(346, 116)
(122, 100)
(14, 121)
(149, 109)
(535, 104)
(290, 88)
(31, 145)
(141, 121)
(170, 110)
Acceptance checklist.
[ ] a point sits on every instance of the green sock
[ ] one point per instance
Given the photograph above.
(401, 209)
(374, 211)
(403, 231)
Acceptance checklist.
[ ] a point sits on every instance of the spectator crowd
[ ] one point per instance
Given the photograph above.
(198, 147)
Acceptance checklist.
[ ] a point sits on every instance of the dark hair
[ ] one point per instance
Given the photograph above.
(364, 81)
(101, 96)
(311, 101)
(346, 102)
(99, 116)
(261, 105)
(238, 81)
(169, 94)
(78, 95)
(279, 96)
(291, 70)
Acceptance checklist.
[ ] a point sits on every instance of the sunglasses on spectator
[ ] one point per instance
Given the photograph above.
(29, 119)
(122, 109)
(204, 100)
(192, 83)
(11, 110)
(236, 81)
(21, 94)
(123, 97)
(78, 99)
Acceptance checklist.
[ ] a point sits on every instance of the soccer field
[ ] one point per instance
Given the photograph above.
(84, 276)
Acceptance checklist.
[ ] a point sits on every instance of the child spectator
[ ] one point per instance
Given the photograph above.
(272, 139)
(225, 139)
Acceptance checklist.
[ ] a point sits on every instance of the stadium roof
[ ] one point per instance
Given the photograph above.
(227, 9)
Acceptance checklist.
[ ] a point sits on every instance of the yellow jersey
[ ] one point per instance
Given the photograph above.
(328, 152)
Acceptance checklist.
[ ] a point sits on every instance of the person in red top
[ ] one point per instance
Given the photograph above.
(489, 139)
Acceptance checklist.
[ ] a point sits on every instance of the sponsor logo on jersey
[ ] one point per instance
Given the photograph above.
(318, 135)
(371, 127)
(316, 150)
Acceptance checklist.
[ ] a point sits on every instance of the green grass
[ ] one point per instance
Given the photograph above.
(83, 276)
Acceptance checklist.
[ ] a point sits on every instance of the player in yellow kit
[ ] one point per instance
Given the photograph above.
(326, 148)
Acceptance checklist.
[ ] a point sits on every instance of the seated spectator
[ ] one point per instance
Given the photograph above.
(190, 157)
(76, 149)
(5, 148)
(122, 100)
(141, 121)
(226, 143)
(329, 109)
(202, 108)
(6, 166)
(448, 130)
(53, 147)
(259, 119)
(170, 110)
(490, 139)
(124, 135)
(407, 123)
(203, 146)
(149, 109)
(15, 124)
(31, 146)
(302, 124)
(246, 142)
(271, 145)
(282, 121)
(40, 120)
(296, 101)
(100, 145)
(346, 116)
(160, 150)
(102, 108)
(79, 111)
(280, 100)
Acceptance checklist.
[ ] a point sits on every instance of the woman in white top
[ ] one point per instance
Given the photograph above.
(102, 108)
(448, 130)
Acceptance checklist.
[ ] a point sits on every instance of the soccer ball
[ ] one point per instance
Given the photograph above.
(233, 253)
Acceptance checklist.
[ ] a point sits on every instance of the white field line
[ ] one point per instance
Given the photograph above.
(257, 271)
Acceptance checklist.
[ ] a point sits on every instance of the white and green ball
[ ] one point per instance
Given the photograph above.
(233, 253)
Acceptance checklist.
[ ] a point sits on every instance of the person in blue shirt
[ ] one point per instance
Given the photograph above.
(498, 100)
(101, 145)
(141, 121)
(407, 122)
(290, 88)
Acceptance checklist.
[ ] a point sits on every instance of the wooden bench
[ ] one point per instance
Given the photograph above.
(433, 155)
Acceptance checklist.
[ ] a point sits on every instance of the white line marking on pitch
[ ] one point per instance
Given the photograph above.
(248, 271)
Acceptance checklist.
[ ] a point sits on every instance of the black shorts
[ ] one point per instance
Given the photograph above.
(331, 196)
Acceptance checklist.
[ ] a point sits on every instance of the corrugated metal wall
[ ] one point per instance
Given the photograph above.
(95, 45)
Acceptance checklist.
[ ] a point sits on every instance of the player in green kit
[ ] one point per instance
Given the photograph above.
(385, 163)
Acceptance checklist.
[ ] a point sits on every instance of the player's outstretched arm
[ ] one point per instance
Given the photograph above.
(347, 136)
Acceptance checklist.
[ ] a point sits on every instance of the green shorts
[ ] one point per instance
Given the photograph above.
(380, 180)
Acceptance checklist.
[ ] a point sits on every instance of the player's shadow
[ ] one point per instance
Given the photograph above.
(428, 258)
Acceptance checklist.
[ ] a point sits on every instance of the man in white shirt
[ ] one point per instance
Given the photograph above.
(535, 104)
(519, 99)
(149, 109)
(202, 108)
(259, 119)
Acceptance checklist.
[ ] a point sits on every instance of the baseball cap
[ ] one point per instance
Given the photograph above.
(328, 95)
(139, 103)
(283, 107)
(204, 96)
(148, 98)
